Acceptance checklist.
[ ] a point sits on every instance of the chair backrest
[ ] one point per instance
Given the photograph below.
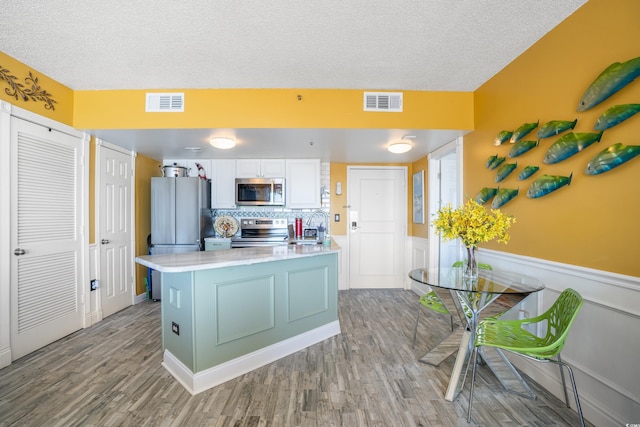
(480, 265)
(560, 317)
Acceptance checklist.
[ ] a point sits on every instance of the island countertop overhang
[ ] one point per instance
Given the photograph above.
(205, 260)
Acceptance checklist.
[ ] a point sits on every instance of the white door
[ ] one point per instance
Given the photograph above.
(46, 236)
(116, 255)
(445, 184)
(377, 227)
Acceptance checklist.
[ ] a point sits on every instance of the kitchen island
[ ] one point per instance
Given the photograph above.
(225, 313)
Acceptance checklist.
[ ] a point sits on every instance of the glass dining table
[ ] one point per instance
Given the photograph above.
(492, 293)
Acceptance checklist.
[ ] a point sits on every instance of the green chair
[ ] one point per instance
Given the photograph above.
(433, 302)
(511, 336)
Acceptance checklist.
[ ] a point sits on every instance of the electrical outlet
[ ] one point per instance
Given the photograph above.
(95, 284)
(175, 328)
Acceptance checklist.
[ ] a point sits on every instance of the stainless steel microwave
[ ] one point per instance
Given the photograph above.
(260, 191)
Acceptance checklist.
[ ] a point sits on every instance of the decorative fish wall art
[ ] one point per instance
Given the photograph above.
(611, 80)
(505, 170)
(522, 147)
(485, 195)
(547, 184)
(504, 195)
(555, 127)
(495, 162)
(502, 137)
(569, 144)
(527, 172)
(523, 131)
(611, 157)
(615, 115)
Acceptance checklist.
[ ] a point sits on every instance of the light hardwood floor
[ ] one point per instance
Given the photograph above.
(369, 375)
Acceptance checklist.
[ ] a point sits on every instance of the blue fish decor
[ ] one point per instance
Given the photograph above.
(490, 160)
(569, 144)
(505, 170)
(497, 161)
(546, 184)
(502, 137)
(523, 131)
(612, 79)
(521, 147)
(615, 115)
(555, 127)
(485, 195)
(611, 157)
(527, 172)
(503, 196)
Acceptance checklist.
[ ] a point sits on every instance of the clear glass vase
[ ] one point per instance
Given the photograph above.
(471, 265)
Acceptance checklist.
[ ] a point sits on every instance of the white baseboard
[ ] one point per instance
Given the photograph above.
(5, 357)
(204, 380)
(140, 298)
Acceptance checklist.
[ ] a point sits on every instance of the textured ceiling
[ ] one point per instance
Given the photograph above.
(433, 45)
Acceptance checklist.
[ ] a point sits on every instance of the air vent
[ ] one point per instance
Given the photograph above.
(165, 103)
(383, 101)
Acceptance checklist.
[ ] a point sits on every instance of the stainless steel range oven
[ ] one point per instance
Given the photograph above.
(261, 232)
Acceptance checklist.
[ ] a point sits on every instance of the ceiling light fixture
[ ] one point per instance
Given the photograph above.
(399, 147)
(222, 143)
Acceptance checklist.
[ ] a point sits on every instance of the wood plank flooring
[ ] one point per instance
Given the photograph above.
(369, 375)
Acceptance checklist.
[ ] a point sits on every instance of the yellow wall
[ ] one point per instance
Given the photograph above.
(270, 108)
(593, 222)
(63, 96)
(145, 169)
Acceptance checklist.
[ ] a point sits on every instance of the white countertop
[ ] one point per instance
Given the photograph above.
(205, 260)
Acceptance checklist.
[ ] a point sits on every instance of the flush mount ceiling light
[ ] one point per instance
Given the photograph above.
(222, 143)
(399, 147)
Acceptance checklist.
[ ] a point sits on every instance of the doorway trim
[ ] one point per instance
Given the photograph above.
(434, 191)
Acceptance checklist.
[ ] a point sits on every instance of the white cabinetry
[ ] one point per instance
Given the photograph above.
(303, 183)
(260, 168)
(223, 180)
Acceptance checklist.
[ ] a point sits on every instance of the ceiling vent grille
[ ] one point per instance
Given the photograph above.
(165, 103)
(383, 101)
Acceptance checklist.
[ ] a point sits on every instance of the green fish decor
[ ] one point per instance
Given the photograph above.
(555, 127)
(569, 144)
(496, 162)
(502, 137)
(527, 172)
(521, 147)
(547, 184)
(612, 79)
(490, 160)
(523, 131)
(612, 157)
(615, 115)
(485, 195)
(505, 170)
(503, 196)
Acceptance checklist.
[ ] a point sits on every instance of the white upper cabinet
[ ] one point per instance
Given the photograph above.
(303, 183)
(260, 168)
(223, 183)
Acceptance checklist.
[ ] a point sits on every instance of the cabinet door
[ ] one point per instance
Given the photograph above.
(272, 168)
(260, 168)
(223, 184)
(247, 168)
(303, 183)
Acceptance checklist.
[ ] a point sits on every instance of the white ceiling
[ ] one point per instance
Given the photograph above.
(431, 45)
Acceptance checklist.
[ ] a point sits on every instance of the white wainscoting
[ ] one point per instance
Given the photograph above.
(601, 346)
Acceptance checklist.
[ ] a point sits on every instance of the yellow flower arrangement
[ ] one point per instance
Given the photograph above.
(473, 224)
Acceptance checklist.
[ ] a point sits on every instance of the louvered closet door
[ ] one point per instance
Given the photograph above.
(45, 236)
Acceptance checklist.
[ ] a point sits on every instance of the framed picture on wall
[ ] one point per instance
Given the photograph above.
(418, 197)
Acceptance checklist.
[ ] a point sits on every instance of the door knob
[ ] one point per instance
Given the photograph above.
(105, 242)
(19, 252)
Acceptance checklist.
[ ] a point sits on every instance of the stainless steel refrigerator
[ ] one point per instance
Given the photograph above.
(180, 218)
